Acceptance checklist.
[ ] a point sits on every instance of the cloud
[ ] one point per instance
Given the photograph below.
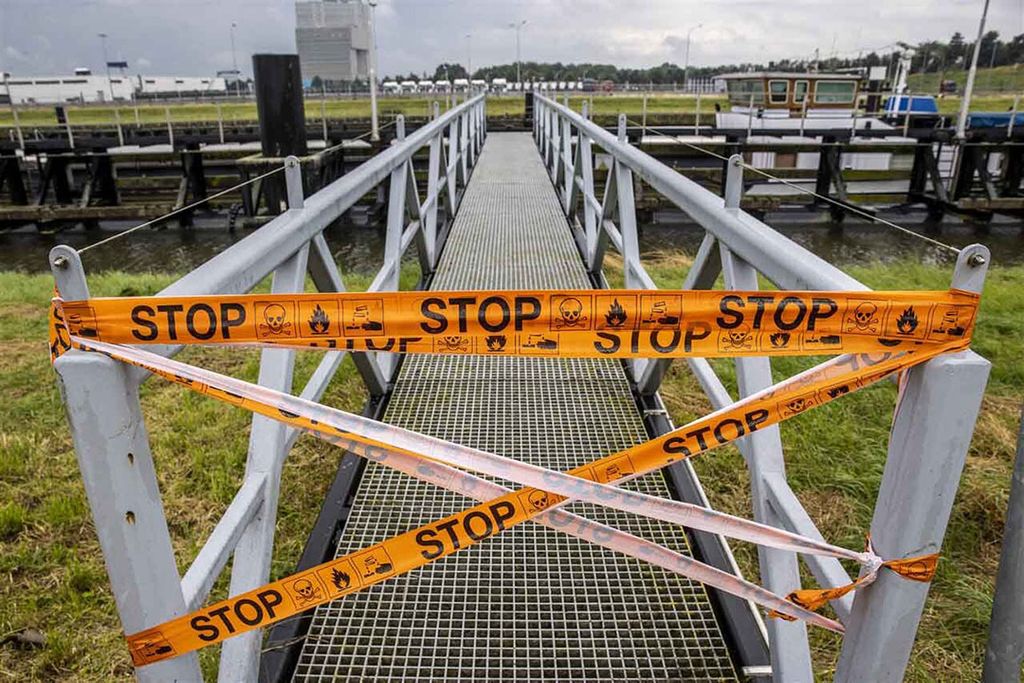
(416, 35)
(13, 54)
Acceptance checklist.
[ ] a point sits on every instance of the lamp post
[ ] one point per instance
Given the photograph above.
(374, 130)
(469, 56)
(517, 25)
(106, 64)
(234, 62)
(686, 63)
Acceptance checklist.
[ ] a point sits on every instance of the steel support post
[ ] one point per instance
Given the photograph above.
(433, 194)
(568, 167)
(590, 216)
(1006, 632)
(780, 570)
(268, 448)
(450, 172)
(112, 447)
(931, 432)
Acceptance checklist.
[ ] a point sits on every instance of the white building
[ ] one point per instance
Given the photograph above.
(77, 88)
(332, 38)
(151, 86)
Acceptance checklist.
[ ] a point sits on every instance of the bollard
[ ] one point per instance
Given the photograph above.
(279, 105)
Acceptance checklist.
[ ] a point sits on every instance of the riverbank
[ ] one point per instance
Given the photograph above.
(51, 571)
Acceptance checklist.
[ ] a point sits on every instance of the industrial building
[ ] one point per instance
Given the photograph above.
(80, 87)
(83, 86)
(333, 40)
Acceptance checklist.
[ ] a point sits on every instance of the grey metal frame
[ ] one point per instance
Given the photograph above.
(102, 399)
(931, 429)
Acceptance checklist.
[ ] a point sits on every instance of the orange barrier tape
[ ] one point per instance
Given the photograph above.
(580, 323)
(920, 568)
(941, 322)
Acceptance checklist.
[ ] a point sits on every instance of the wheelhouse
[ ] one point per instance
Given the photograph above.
(795, 92)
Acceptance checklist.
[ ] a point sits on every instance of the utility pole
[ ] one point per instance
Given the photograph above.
(517, 26)
(965, 104)
(374, 129)
(106, 64)
(686, 63)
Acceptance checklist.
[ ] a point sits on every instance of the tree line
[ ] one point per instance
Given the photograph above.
(929, 57)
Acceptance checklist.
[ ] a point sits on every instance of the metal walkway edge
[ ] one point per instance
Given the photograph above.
(531, 604)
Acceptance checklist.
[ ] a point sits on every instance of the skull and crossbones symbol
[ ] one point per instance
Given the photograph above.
(274, 324)
(738, 338)
(307, 592)
(797, 405)
(864, 317)
(570, 313)
(454, 344)
(539, 499)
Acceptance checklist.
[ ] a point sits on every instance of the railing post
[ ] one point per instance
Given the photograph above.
(590, 216)
(433, 194)
(569, 168)
(931, 432)
(1005, 650)
(450, 173)
(463, 147)
(112, 446)
(268, 448)
(734, 182)
(293, 182)
(780, 570)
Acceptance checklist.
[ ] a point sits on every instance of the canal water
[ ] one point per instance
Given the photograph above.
(359, 248)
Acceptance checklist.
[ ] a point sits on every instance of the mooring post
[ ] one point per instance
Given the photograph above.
(643, 118)
(931, 431)
(281, 113)
(120, 131)
(170, 129)
(279, 105)
(1005, 651)
(112, 447)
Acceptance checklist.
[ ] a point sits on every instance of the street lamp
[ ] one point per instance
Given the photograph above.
(234, 62)
(469, 54)
(517, 26)
(106, 64)
(686, 63)
(374, 130)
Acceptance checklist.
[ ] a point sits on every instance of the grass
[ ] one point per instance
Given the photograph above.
(835, 456)
(662, 104)
(51, 571)
(1001, 79)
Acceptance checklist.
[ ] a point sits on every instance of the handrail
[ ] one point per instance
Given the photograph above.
(782, 261)
(245, 263)
(930, 432)
(106, 417)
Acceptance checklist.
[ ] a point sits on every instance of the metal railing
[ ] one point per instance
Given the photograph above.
(931, 429)
(106, 419)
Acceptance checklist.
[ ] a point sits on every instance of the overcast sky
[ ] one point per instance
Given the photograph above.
(192, 37)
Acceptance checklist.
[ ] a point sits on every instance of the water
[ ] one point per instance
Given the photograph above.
(359, 247)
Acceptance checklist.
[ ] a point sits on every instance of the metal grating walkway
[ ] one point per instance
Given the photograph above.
(531, 604)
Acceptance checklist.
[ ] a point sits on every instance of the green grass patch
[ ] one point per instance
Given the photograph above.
(52, 576)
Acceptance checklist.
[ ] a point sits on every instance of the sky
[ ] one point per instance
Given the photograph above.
(193, 37)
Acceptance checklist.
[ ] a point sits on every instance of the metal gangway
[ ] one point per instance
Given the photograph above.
(519, 211)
